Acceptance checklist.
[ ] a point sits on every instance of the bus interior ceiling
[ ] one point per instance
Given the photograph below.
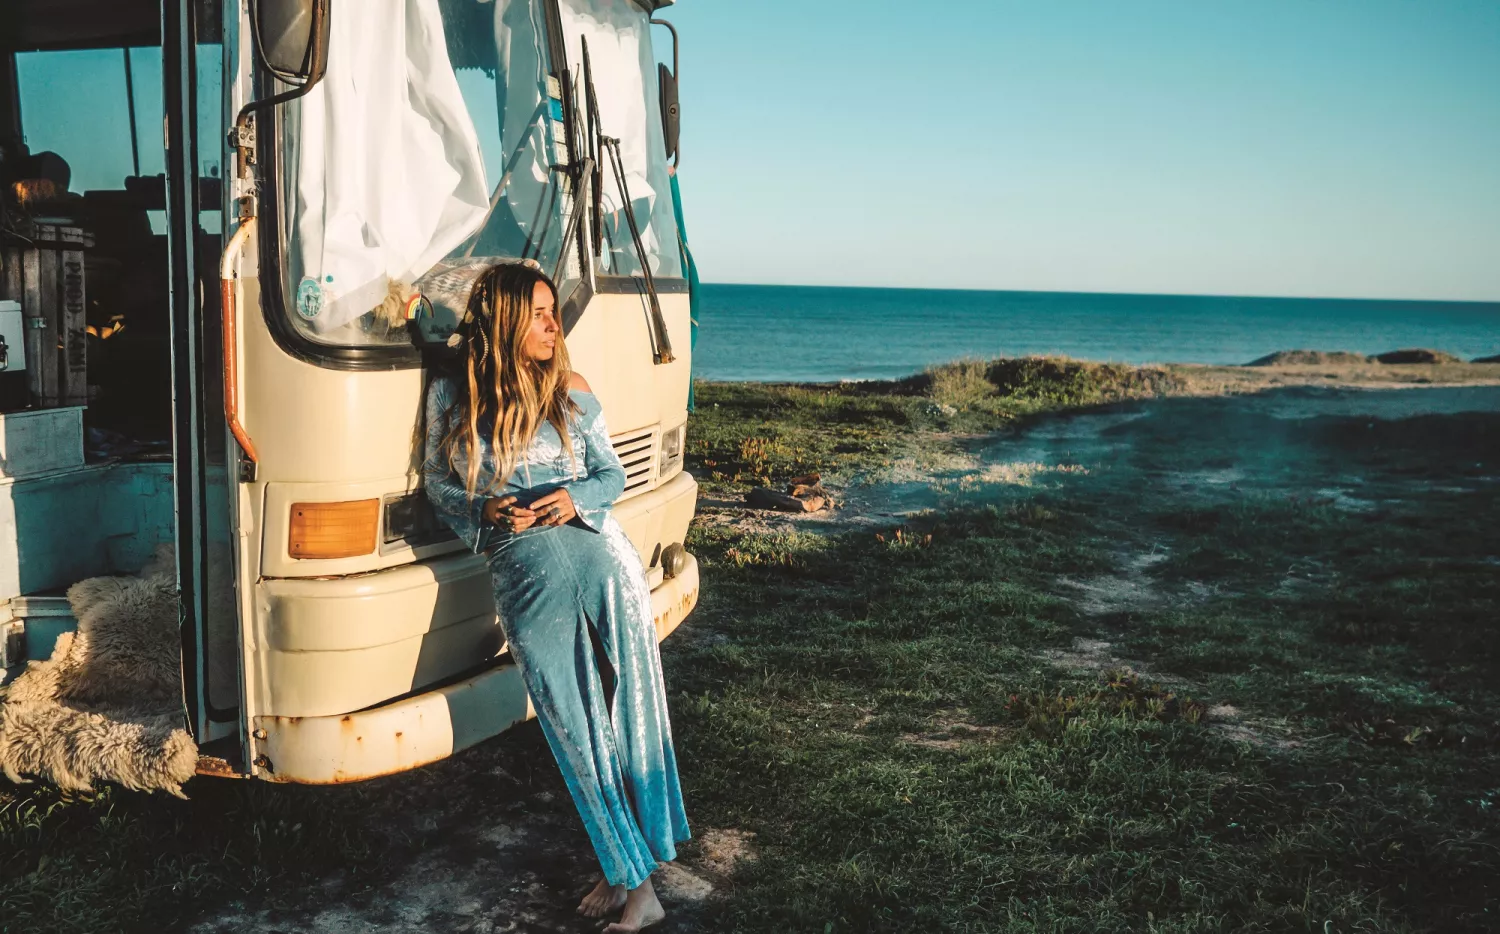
(85, 384)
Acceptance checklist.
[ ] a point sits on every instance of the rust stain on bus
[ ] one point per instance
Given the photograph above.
(217, 767)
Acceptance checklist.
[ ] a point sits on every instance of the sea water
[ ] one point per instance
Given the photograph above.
(774, 333)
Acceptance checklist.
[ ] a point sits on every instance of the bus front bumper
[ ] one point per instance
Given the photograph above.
(430, 726)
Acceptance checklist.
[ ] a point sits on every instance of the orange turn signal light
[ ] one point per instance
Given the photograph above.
(334, 530)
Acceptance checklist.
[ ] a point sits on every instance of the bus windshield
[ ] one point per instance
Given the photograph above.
(391, 174)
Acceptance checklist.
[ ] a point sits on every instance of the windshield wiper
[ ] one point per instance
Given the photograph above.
(661, 342)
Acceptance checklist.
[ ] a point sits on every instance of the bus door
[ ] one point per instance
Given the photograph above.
(206, 468)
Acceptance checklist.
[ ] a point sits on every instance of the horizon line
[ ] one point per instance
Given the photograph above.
(1293, 298)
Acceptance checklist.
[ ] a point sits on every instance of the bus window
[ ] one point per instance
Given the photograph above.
(78, 105)
(624, 87)
(386, 173)
(74, 104)
(475, 164)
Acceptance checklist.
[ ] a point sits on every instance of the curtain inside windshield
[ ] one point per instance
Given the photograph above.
(384, 170)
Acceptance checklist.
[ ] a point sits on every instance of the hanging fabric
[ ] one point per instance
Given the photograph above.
(390, 177)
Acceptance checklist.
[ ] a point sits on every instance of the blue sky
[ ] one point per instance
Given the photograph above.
(1249, 147)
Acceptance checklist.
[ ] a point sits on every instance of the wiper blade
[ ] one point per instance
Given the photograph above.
(661, 343)
(656, 323)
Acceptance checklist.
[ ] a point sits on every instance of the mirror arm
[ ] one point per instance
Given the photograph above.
(242, 134)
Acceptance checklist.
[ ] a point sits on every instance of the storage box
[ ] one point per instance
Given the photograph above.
(41, 441)
(41, 620)
(47, 278)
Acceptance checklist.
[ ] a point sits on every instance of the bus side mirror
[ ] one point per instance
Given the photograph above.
(670, 119)
(291, 38)
(666, 85)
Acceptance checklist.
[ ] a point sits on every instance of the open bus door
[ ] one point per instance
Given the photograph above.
(118, 103)
(206, 469)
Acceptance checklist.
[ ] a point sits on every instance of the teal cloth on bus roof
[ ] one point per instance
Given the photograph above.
(559, 590)
(692, 277)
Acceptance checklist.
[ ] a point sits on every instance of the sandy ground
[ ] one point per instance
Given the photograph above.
(485, 842)
(480, 847)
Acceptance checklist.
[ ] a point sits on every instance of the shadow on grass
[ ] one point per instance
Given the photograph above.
(826, 658)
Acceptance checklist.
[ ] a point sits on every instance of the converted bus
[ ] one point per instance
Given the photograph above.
(276, 210)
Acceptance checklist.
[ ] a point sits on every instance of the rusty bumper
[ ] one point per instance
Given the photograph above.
(427, 727)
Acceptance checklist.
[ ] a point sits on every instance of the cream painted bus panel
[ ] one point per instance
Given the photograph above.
(375, 609)
(314, 424)
(664, 518)
(318, 684)
(611, 346)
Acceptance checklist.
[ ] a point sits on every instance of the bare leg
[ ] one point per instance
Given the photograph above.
(604, 899)
(641, 910)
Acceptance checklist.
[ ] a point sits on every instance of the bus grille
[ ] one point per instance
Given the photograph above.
(637, 451)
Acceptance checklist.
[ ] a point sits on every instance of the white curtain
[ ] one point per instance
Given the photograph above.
(390, 178)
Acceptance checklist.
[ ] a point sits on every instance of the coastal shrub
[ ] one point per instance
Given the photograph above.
(1417, 355)
(1310, 358)
(1059, 380)
(960, 384)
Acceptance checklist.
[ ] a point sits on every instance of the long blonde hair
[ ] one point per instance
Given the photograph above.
(498, 385)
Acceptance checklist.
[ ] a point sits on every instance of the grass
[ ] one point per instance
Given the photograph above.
(1103, 805)
(1360, 638)
(747, 434)
(893, 714)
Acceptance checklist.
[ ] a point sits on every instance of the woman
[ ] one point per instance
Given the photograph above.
(519, 464)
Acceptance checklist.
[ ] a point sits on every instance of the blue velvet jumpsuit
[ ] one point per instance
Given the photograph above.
(553, 585)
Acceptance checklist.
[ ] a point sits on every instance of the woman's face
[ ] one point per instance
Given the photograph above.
(544, 333)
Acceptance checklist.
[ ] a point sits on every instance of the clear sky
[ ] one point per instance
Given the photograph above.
(1246, 147)
(1249, 147)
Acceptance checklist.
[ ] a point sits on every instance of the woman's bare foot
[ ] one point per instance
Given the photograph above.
(604, 899)
(641, 910)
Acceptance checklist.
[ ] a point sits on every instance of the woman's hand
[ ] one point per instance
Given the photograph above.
(556, 508)
(503, 513)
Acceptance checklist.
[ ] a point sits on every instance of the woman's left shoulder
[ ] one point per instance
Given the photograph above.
(578, 383)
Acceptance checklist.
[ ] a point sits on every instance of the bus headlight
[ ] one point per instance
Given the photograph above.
(673, 442)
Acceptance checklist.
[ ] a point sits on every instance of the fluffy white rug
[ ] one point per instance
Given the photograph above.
(108, 704)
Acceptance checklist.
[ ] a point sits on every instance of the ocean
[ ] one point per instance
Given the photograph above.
(805, 333)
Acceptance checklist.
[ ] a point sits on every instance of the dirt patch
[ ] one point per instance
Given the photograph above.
(720, 851)
(1340, 499)
(1231, 723)
(1096, 656)
(1085, 655)
(950, 730)
(487, 841)
(1130, 589)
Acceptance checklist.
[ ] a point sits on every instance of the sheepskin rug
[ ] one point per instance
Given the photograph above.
(108, 704)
